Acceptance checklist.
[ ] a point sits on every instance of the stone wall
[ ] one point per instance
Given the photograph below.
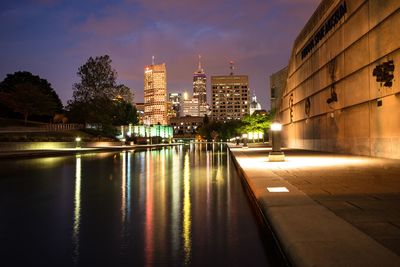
(19, 146)
(364, 119)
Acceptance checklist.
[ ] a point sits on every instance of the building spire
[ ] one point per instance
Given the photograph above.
(153, 60)
(232, 66)
(199, 69)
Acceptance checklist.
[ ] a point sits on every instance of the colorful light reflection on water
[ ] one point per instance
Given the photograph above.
(175, 206)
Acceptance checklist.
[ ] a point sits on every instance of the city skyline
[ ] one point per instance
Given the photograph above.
(52, 38)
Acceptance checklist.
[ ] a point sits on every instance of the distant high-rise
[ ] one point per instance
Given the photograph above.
(230, 96)
(200, 89)
(175, 99)
(254, 105)
(155, 94)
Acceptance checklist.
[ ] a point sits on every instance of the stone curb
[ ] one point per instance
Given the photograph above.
(308, 233)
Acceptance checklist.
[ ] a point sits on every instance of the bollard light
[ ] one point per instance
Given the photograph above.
(78, 140)
(244, 136)
(276, 154)
(276, 126)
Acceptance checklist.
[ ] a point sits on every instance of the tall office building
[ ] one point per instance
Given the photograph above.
(200, 89)
(155, 94)
(230, 97)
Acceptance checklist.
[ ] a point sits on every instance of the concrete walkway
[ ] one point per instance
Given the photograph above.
(339, 210)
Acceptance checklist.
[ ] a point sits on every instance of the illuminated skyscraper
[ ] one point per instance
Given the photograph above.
(155, 94)
(200, 89)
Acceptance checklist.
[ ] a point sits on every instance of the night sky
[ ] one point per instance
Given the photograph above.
(52, 38)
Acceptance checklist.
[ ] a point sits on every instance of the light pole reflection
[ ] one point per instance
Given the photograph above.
(186, 211)
(176, 198)
(77, 209)
(128, 184)
(123, 188)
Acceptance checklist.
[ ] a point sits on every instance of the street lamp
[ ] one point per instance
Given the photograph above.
(276, 154)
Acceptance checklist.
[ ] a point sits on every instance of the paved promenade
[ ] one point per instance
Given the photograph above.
(339, 210)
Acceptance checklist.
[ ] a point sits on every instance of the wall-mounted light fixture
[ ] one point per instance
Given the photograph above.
(333, 97)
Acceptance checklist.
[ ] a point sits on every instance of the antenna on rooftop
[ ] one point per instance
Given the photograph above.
(200, 69)
(231, 66)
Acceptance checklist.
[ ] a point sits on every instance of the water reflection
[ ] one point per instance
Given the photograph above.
(77, 209)
(173, 207)
(123, 188)
(187, 220)
(149, 245)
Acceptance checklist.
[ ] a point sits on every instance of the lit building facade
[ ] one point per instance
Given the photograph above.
(190, 107)
(230, 97)
(155, 95)
(200, 89)
(343, 86)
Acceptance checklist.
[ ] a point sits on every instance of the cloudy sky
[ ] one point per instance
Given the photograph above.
(52, 38)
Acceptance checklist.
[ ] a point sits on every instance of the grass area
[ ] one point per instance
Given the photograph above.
(64, 136)
(87, 135)
(19, 123)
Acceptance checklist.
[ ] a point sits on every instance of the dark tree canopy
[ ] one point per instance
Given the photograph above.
(97, 80)
(97, 98)
(216, 130)
(124, 113)
(28, 94)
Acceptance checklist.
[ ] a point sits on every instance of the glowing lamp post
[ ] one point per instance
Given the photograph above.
(276, 154)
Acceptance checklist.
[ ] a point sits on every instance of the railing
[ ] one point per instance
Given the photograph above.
(62, 127)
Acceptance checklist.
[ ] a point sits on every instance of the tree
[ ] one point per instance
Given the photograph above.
(42, 96)
(124, 113)
(256, 123)
(206, 120)
(97, 80)
(97, 98)
(123, 92)
(27, 99)
(223, 130)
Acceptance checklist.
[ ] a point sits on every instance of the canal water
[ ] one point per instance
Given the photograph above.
(176, 206)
